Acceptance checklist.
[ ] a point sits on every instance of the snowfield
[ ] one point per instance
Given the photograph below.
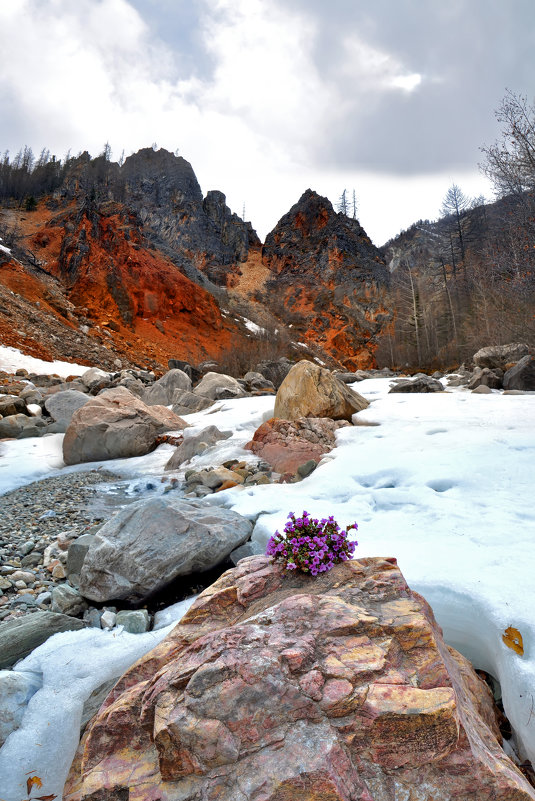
(443, 482)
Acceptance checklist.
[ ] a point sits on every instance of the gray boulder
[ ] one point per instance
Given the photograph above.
(421, 383)
(217, 386)
(185, 402)
(186, 367)
(116, 425)
(62, 405)
(19, 637)
(152, 542)
(500, 355)
(135, 621)
(67, 601)
(19, 426)
(521, 375)
(162, 391)
(275, 370)
(95, 379)
(195, 445)
(486, 377)
(256, 382)
(77, 553)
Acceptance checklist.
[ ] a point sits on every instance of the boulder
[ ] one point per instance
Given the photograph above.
(62, 405)
(335, 688)
(135, 621)
(161, 392)
(217, 386)
(484, 376)
(312, 391)
(11, 405)
(255, 382)
(421, 383)
(95, 379)
(195, 445)
(185, 402)
(147, 545)
(275, 370)
(521, 375)
(116, 425)
(500, 355)
(19, 426)
(20, 636)
(288, 444)
(67, 601)
(186, 367)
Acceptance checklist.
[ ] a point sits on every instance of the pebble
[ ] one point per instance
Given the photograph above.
(37, 522)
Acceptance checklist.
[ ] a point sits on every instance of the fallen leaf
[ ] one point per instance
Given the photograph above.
(45, 797)
(33, 781)
(513, 639)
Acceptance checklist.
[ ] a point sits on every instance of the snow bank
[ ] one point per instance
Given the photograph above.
(12, 359)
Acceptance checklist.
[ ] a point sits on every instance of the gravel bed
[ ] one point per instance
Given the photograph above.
(37, 523)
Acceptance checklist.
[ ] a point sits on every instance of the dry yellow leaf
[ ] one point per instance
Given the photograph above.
(513, 639)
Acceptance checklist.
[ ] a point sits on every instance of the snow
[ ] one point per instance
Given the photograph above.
(12, 359)
(443, 482)
(4, 249)
(256, 329)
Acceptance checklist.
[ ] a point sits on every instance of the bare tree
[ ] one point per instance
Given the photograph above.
(510, 162)
(342, 205)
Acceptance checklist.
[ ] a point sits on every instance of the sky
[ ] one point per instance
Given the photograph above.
(266, 98)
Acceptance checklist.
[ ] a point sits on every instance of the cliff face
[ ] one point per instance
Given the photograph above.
(329, 280)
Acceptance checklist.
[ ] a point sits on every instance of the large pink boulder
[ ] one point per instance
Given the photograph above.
(115, 425)
(285, 687)
(288, 444)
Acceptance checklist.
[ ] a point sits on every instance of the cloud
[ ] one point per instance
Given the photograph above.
(267, 97)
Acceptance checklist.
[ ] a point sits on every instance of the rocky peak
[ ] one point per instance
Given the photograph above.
(161, 178)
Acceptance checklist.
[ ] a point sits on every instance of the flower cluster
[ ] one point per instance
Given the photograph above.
(311, 545)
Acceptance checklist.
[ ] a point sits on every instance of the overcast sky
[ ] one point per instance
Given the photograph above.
(265, 98)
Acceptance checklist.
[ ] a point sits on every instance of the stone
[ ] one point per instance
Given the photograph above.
(217, 386)
(67, 600)
(275, 370)
(521, 375)
(11, 405)
(195, 445)
(16, 689)
(288, 687)
(161, 392)
(94, 702)
(185, 402)
(312, 391)
(77, 553)
(244, 551)
(287, 444)
(307, 468)
(95, 379)
(482, 389)
(14, 425)
(62, 405)
(108, 619)
(135, 621)
(421, 383)
(500, 355)
(19, 637)
(484, 376)
(256, 382)
(186, 367)
(116, 425)
(145, 546)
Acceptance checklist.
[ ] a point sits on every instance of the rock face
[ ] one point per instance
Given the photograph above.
(148, 544)
(311, 391)
(500, 355)
(116, 425)
(286, 445)
(338, 688)
(329, 280)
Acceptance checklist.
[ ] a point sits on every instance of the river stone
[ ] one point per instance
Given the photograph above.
(11, 404)
(19, 637)
(217, 385)
(312, 391)
(421, 383)
(195, 445)
(135, 621)
(116, 425)
(522, 375)
(62, 405)
(147, 545)
(185, 402)
(161, 392)
(67, 600)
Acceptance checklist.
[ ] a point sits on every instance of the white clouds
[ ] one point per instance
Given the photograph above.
(269, 109)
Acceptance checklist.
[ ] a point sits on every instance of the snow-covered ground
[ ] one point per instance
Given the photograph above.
(12, 359)
(444, 483)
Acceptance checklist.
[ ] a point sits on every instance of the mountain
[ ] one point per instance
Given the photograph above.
(130, 263)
